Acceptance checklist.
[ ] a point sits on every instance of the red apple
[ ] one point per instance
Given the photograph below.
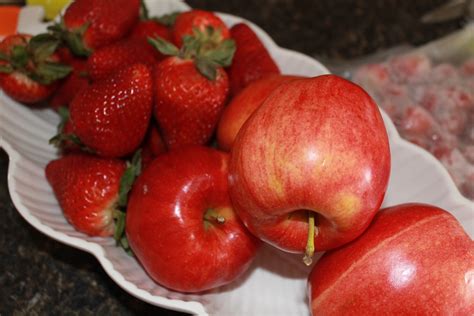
(414, 259)
(243, 105)
(180, 222)
(315, 152)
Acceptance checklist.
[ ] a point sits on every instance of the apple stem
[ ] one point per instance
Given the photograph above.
(211, 216)
(308, 256)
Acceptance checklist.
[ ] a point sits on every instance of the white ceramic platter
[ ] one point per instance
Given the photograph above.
(276, 282)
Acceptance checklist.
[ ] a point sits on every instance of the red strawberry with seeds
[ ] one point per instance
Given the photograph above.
(252, 61)
(87, 188)
(90, 24)
(186, 22)
(111, 116)
(107, 59)
(191, 88)
(29, 67)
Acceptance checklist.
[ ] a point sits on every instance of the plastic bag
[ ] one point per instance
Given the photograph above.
(428, 92)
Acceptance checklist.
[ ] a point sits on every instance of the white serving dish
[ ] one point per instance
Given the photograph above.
(276, 282)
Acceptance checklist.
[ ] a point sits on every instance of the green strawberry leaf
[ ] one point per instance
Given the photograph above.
(144, 13)
(119, 217)
(119, 233)
(223, 53)
(165, 47)
(6, 69)
(42, 46)
(208, 50)
(19, 57)
(4, 57)
(48, 72)
(167, 19)
(64, 116)
(59, 139)
(72, 38)
(128, 178)
(207, 68)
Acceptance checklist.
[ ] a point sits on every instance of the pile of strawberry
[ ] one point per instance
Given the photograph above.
(130, 88)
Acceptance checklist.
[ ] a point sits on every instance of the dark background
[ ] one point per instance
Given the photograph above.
(40, 276)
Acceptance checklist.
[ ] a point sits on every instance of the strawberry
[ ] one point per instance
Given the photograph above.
(29, 67)
(90, 24)
(150, 28)
(107, 59)
(111, 116)
(186, 22)
(153, 145)
(191, 88)
(252, 61)
(71, 85)
(65, 139)
(93, 192)
(87, 188)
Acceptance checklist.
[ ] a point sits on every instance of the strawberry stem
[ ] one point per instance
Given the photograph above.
(128, 178)
(144, 14)
(72, 38)
(308, 257)
(119, 233)
(163, 46)
(206, 48)
(167, 19)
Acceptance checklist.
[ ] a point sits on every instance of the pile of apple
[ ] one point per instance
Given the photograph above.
(185, 143)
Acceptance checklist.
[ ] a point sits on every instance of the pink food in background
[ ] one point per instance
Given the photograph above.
(432, 105)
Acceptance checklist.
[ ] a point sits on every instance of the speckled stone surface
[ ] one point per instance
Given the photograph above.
(39, 276)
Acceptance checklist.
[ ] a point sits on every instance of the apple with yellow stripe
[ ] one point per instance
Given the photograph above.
(414, 259)
(309, 169)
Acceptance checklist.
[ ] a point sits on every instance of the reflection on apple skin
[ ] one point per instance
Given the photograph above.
(402, 270)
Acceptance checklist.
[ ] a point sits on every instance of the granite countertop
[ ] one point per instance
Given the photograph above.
(40, 276)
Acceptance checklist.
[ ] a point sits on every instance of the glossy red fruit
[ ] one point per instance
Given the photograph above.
(181, 225)
(87, 190)
(111, 116)
(97, 23)
(316, 148)
(243, 105)
(251, 61)
(199, 19)
(414, 259)
(104, 61)
(187, 104)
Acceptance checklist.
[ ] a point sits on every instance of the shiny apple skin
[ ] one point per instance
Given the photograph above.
(165, 225)
(414, 259)
(316, 144)
(243, 105)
